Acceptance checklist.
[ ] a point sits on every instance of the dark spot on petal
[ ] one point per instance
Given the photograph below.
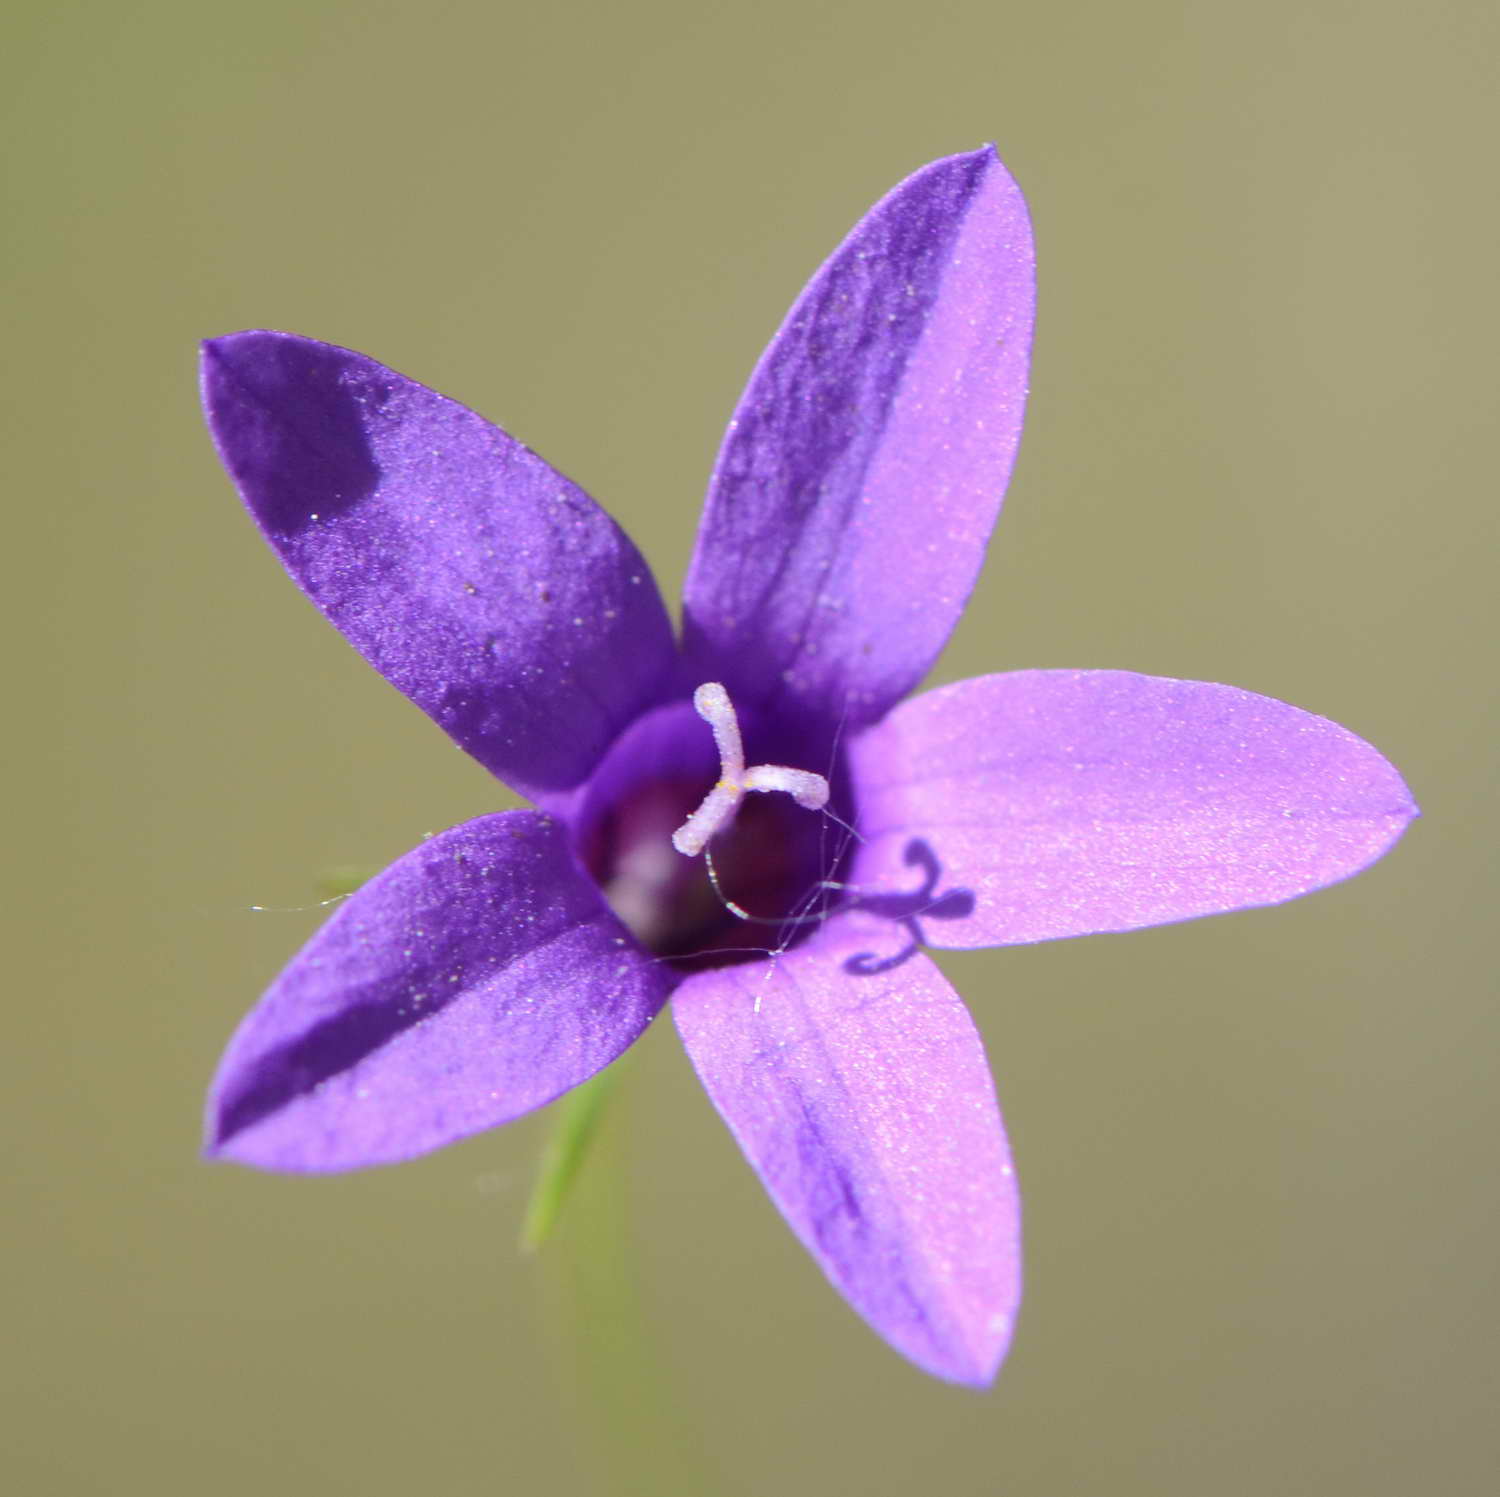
(292, 420)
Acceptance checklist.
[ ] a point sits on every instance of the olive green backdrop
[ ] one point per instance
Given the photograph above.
(1258, 1152)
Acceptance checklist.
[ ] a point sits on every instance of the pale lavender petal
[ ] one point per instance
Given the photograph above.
(474, 577)
(1057, 803)
(865, 1105)
(475, 979)
(865, 464)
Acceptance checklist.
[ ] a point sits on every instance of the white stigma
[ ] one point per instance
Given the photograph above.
(809, 790)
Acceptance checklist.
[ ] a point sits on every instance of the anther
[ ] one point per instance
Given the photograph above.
(809, 790)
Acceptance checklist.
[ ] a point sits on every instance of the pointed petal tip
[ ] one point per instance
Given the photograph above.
(225, 1145)
(256, 1149)
(223, 1142)
(211, 352)
(982, 163)
(975, 1368)
(222, 347)
(228, 340)
(252, 347)
(235, 1150)
(231, 369)
(975, 1358)
(977, 1376)
(223, 1152)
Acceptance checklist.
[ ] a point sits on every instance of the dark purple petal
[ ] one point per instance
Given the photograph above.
(476, 978)
(1056, 803)
(474, 577)
(863, 470)
(866, 1107)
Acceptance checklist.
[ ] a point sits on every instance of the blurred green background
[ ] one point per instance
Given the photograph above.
(1258, 1152)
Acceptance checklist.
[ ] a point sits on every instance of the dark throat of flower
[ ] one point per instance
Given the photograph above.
(708, 878)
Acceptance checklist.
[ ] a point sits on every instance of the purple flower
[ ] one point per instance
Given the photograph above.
(508, 959)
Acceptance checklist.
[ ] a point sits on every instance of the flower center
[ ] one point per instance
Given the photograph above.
(712, 704)
(700, 870)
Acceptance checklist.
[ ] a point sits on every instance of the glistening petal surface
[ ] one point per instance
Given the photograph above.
(476, 978)
(866, 1106)
(865, 465)
(1058, 803)
(482, 583)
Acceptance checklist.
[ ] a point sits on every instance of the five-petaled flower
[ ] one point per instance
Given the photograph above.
(509, 959)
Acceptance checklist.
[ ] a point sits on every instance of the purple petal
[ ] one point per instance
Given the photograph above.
(476, 978)
(866, 1107)
(474, 577)
(1056, 803)
(863, 470)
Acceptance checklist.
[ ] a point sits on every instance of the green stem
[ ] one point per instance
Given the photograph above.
(578, 1116)
(603, 1340)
